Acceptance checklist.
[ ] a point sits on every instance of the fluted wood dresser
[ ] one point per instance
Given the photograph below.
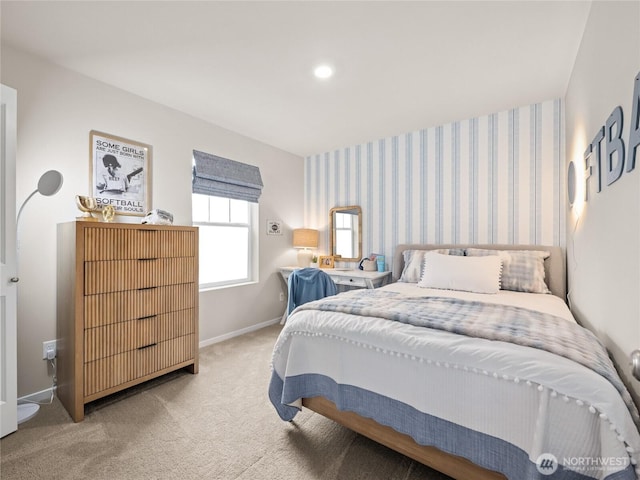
(127, 307)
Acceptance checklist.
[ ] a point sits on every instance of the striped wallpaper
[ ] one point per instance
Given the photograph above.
(494, 179)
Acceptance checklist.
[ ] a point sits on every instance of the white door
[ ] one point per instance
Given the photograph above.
(8, 287)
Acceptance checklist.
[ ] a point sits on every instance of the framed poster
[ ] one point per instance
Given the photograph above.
(120, 173)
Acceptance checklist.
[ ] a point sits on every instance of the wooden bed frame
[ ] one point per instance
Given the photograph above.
(454, 466)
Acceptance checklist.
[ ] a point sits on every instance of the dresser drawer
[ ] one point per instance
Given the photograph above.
(120, 243)
(109, 372)
(133, 244)
(116, 370)
(119, 275)
(107, 308)
(350, 281)
(120, 337)
(177, 244)
(164, 354)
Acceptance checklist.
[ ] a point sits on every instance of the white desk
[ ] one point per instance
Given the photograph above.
(351, 278)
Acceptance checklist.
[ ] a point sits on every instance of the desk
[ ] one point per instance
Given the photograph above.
(348, 277)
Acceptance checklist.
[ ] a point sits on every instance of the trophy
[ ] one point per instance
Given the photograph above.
(108, 213)
(87, 205)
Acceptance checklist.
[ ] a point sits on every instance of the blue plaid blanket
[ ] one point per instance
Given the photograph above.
(504, 323)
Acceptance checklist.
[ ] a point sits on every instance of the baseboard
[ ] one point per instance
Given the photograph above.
(41, 396)
(236, 333)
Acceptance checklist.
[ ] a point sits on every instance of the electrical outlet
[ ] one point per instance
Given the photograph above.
(49, 350)
(281, 297)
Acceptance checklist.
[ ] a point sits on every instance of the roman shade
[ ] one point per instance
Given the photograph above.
(221, 177)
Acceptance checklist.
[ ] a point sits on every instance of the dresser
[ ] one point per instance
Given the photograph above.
(127, 307)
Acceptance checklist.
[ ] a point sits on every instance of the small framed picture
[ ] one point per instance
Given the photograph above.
(120, 173)
(274, 227)
(325, 261)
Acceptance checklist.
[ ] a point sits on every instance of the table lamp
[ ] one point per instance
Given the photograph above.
(304, 239)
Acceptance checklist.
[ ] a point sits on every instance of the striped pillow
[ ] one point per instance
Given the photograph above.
(522, 270)
(414, 262)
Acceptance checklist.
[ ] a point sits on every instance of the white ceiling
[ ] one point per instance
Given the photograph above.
(247, 66)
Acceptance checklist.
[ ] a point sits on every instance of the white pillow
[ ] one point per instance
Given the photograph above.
(414, 264)
(470, 274)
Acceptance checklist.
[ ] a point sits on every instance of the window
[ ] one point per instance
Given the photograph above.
(225, 207)
(227, 239)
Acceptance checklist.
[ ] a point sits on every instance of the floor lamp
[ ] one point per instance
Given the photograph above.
(49, 184)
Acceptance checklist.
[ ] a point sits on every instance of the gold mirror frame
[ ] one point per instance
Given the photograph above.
(355, 210)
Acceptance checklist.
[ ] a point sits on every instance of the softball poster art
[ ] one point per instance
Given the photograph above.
(120, 173)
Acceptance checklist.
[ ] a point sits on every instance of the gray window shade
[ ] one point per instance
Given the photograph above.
(213, 175)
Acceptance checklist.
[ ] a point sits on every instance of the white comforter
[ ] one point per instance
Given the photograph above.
(534, 400)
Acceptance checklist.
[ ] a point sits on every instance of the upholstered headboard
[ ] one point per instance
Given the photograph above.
(554, 266)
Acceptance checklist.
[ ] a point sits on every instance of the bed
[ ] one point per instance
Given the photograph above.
(492, 385)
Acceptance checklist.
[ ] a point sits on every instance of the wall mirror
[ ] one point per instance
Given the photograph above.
(345, 240)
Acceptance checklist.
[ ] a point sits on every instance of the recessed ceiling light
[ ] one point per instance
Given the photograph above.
(323, 71)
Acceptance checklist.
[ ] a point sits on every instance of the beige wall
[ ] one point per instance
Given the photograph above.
(56, 110)
(604, 252)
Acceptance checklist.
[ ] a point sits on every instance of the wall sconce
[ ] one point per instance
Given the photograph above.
(305, 238)
(577, 191)
(571, 183)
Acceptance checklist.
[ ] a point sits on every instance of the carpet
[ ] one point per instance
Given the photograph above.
(218, 424)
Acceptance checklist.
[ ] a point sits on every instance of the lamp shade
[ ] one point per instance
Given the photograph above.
(50, 183)
(305, 238)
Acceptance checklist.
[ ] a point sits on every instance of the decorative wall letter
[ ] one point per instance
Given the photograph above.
(634, 127)
(588, 169)
(615, 146)
(595, 145)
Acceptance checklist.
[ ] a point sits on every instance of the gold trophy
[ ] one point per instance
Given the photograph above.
(108, 213)
(87, 205)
